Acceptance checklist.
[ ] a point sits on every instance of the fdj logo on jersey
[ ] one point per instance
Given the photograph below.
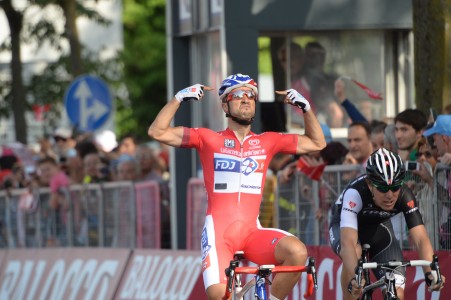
(227, 165)
(248, 166)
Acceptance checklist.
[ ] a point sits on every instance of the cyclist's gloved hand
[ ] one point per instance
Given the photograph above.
(430, 277)
(431, 281)
(298, 100)
(354, 288)
(194, 92)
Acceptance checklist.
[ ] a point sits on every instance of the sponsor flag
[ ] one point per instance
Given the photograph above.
(371, 93)
(313, 172)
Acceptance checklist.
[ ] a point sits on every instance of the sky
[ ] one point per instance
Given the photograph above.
(93, 36)
(104, 39)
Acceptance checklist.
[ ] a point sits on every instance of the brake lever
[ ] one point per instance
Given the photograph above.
(312, 270)
(435, 266)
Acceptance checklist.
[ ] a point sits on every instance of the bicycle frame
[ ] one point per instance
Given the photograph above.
(260, 280)
(388, 280)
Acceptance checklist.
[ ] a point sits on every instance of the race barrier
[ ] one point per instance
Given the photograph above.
(111, 273)
(121, 214)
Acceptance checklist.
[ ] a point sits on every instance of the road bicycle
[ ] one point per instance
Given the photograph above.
(391, 268)
(261, 280)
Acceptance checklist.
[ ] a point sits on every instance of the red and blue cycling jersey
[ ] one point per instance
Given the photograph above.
(234, 177)
(234, 172)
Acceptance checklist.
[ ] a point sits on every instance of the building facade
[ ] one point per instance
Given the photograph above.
(282, 44)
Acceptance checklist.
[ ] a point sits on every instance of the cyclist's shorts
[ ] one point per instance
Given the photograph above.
(220, 241)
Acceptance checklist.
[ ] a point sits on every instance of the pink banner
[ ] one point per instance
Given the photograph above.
(162, 274)
(61, 273)
(328, 267)
(87, 273)
(329, 270)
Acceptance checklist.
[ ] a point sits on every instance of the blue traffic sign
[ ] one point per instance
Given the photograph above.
(88, 103)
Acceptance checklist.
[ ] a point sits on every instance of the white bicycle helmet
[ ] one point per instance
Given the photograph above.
(234, 81)
(385, 168)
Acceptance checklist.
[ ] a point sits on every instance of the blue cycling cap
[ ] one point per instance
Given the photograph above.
(235, 81)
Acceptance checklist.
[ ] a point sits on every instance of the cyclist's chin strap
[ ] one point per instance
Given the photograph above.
(240, 121)
(271, 297)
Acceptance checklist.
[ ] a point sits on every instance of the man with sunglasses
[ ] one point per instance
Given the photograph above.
(234, 163)
(362, 213)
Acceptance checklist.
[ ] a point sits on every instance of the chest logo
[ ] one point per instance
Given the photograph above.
(254, 142)
(249, 165)
(228, 143)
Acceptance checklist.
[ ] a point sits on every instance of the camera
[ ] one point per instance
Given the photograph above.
(412, 165)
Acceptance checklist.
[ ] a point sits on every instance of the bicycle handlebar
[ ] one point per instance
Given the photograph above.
(266, 270)
(390, 264)
(409, 263)
(274, 269)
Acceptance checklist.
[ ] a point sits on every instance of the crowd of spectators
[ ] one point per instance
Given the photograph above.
(411, 134)
(64, 159)
(85, 158)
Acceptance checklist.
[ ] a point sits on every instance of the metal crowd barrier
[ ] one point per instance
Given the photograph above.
(196, 207)
(303, 205)
(115, 214)
(442, 207)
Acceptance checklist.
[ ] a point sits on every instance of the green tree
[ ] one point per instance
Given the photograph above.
(15, 96)
(144, 59)
(48, 86)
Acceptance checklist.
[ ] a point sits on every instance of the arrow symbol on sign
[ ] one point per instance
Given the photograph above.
(98, 109)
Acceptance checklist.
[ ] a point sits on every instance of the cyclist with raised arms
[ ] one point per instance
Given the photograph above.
(361, 215)
(234, 164)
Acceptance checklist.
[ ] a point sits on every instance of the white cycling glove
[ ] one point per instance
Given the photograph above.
(298, 100)
(194, 92)
(431, 278)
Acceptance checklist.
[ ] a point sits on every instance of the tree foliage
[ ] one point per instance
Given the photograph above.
(137, 76)
(47, 86)
(144, 59)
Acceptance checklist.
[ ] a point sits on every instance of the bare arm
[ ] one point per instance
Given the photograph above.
(313, 139)
(348, 253)
(425, 251)
(422, 244)
(161, 130)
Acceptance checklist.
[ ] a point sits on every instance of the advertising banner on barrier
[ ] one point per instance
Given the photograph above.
(63, 273)
(163, 275)
(328, 267)
(104, 273)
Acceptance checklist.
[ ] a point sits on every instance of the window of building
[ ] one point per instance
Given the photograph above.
(312, 62)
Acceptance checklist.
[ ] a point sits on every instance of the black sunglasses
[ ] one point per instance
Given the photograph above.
(426, 154)
(386, 188)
